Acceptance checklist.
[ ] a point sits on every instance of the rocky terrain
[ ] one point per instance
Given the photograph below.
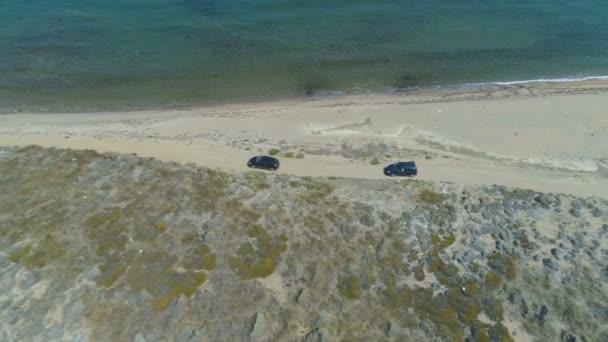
(119, 248)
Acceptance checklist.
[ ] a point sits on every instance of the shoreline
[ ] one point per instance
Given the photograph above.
(441, 93)
(543, 138)
(544, 81)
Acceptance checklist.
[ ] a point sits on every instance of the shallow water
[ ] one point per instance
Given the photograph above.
(114, 55)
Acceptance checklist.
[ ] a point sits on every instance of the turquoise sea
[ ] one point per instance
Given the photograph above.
(87, 55)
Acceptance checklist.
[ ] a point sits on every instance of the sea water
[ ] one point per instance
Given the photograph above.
(88, 55)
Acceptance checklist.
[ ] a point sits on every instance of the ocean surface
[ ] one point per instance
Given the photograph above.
(88, 55)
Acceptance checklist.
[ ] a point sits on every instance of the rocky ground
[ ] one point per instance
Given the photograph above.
(119, 248)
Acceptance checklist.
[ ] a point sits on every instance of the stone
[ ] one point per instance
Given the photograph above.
(258, 327)
(4, 245)
(509, 211)
(568, 337)
(54, 332)
(542, 314)
(323, 320)
(7, 279)
(5, 154)
(419, 272)
(392, 329)
(29, 280)
(5, 305)
(139, 338)
(313, 336)
(92, 274)
(13, 316)
(303, 297)
(191, 334)
(80, 337)
(72, 313)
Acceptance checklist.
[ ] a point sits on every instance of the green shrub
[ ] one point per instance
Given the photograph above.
(442, 244)
(493, 308)
(200, 258)
(16, 255)
(317, 191)
(350, 287)
(430, 197)
(261, 185)
(162, 227)
(258, 260)
(503, 264)
(375, 161)
(186, 284)
(274, 151)
(492, 281)
(499, 332)
(46, 251)
(289, 155)
(300, 156)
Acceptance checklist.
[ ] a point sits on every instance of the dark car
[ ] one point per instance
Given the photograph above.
(401, 169)
(263, 162)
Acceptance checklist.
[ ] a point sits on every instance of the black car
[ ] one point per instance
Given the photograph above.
(401, 169)
(263, 162)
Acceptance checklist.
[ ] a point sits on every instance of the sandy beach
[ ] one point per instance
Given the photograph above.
(549, 138)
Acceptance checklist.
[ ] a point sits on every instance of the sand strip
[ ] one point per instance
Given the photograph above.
(552, 141)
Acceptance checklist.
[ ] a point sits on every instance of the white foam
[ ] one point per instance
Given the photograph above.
(542, 80)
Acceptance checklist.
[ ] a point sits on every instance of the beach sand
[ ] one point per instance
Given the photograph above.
(550, 138)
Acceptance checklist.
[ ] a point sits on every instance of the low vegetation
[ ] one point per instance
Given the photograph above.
(430, 197)
(259, 257)
(137, 246)
(350, 286)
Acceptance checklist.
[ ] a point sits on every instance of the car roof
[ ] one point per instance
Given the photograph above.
(409, 164)
(265, 159)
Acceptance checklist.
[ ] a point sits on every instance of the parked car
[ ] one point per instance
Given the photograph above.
(263, 162)
(407, 169)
